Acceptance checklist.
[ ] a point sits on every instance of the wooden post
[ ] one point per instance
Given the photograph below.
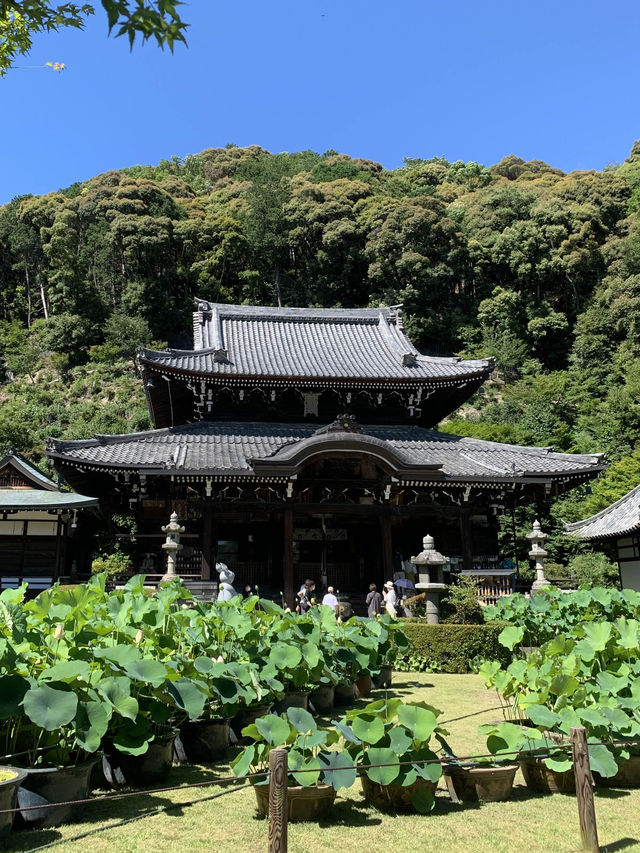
(465, 537)
(287, 562)
(206, 542)
(278, 800)
(387, 547)
(584, 790)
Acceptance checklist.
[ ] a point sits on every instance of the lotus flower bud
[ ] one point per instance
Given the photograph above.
(286, 610)
(219, 659)
(139, 636)
(339, 620)
(57, 634)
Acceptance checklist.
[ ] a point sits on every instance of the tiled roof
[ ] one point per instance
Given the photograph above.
(333, 343)
(39, 499)
(619, 519)
(30, 472)
(220, 448)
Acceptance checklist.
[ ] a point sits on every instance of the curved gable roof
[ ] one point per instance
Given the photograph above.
(316, 343)
(618, 519)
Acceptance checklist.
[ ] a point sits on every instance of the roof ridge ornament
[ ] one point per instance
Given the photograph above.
(343, 423)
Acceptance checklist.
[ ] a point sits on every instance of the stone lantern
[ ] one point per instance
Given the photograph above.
(538, 554)
(172, 545)
(429, 564)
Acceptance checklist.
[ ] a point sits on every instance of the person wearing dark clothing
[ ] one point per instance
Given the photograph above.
(374, 601)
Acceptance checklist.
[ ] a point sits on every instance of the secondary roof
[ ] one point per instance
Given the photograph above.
(619, 519)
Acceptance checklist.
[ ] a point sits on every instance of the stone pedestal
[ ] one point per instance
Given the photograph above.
(429, 564)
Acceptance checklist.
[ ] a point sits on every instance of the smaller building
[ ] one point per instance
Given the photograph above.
(619, 523)
(36, 520)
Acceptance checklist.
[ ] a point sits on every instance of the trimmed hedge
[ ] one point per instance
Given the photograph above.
(449, 648)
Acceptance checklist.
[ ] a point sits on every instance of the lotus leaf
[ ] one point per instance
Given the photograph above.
(301, 720)
(50, 708)
(421, 722)
(273, 729)
(338, 769)
(383, 775)
(308, 768)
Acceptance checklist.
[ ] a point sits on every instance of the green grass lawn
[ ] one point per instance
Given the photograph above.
(225, 823)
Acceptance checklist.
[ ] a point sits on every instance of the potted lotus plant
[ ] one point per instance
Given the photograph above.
(389, 738)
(488, 779)
(316, 772)
(10, 780)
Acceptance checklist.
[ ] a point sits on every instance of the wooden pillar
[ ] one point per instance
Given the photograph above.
(287, 561)
(584, 790)
(465, 537)
(58, 558)
(387, 547)
(208, 543)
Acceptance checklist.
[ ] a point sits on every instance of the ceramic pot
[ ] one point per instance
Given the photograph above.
(9, 795)
(382, 678)
(344, 694)
(628, 775)
(54, 785)
(394, 798)
(482, 784)
(204, 741)
(322, 698)
(311, 803)
(362, 686)
(151, 767)
(543, 780)
(246, 717)
(292, 699)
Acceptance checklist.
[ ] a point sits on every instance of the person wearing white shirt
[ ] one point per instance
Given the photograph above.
(330, 598)
(390, 598)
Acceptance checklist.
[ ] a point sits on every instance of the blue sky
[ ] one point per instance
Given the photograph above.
(464, 79)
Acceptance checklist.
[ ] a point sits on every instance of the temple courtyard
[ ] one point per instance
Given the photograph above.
(204, 819)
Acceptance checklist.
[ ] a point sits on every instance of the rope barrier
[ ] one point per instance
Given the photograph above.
(445, 761)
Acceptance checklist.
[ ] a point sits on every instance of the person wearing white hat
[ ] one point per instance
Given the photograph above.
(390, 598)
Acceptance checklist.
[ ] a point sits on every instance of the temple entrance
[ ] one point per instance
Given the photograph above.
(336, 550)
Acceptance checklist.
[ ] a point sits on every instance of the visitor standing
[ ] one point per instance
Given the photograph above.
(330, 599)
(374, 601)
(390, 599)
(306, 598)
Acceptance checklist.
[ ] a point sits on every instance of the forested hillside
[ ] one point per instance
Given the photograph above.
(539, 268)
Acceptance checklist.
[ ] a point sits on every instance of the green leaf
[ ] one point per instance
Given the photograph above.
(347, 732)
(273, 729)
(381, 755)
(122, 656)
(301, 720)
(298, 762)
(285, 656)
(133, 737)
(399, 740)
(423, 800)
(50, 708)
(420, 721)
(597, 634)
(368, 728)
(511, 636)
(151, 671)
(91, 724)
(68, 670)
(188, 696)
(241, 764)
(338, 769)
(560, 765)
(601, 761)
(540, 715)
(116, 690)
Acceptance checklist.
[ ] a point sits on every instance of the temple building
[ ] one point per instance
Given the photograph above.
(301, 442)
(37, 520)
(619, 523)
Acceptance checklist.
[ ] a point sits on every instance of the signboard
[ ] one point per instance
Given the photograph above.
(314, 534)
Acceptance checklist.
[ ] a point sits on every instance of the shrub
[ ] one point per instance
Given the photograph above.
(460, 604)
(116, 563)
(594, 569)
(449, 648)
